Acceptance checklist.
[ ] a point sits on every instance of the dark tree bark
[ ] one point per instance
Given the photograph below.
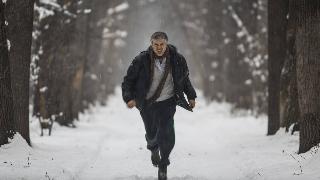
(70, 42)
(60, 74)
(20, 19)
(289, 105)
(277, 52)
(6, 99)
(68, 66)
(79, 51)
(308, 68)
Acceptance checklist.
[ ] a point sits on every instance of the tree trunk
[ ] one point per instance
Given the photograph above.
(59, 71)
(79, 51)
(289, 93)
(277, 52)
(20, 19)
(91, 82)
(308, 71)
(6, 99)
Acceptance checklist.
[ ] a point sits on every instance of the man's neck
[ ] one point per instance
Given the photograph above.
(159, 57)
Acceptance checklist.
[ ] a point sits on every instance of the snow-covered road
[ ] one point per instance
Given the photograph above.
(108, 144)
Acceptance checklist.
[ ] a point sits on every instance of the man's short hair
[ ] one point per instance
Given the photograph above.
(159, 35)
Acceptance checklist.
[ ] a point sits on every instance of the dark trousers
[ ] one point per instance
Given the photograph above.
(159, 126)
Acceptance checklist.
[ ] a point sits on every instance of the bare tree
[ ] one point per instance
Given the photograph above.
(228, 38)
(19, 15)
(308, 68)
(277, 53)
(98, 74)
(6, 99)
(61, 56)
(68, 49)
(289, 105)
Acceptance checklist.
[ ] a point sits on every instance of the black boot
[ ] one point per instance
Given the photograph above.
(162, 173)
(155, 157)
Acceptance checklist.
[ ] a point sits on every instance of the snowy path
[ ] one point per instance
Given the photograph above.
(109, 144)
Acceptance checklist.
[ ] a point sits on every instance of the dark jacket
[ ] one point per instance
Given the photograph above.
(136, 83)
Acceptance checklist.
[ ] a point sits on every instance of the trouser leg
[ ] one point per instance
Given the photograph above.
(150, 124)
(166, 133)
(159, 125)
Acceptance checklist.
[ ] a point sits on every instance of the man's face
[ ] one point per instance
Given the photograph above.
(159, 46)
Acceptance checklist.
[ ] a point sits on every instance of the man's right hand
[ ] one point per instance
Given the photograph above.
(131, 104)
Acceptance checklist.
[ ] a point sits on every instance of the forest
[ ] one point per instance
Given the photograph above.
(61, 59)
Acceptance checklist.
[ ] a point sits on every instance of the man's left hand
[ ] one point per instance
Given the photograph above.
(192, 103)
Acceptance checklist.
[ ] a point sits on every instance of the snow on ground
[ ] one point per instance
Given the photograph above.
(108, 144)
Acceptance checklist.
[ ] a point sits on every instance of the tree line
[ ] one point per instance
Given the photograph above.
(228, 39)
(64, 56)
(261, 56)
(50, 51)
(294, 65)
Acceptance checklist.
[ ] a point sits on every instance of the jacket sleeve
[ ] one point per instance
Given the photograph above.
(187, 86)
(129, 80)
